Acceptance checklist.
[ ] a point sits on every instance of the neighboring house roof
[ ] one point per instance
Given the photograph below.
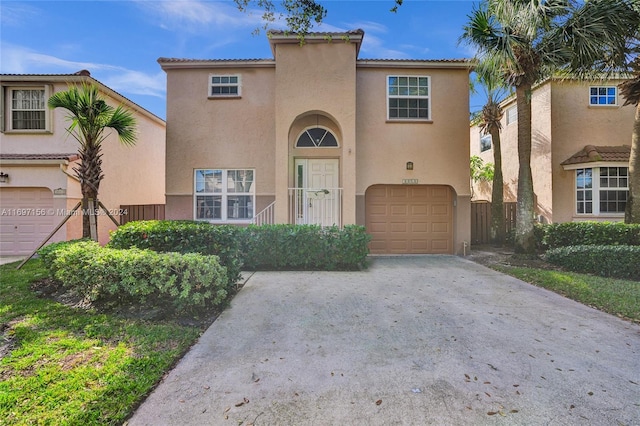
(68, 157)
(79, 77)
(591, 154)
(33, 159)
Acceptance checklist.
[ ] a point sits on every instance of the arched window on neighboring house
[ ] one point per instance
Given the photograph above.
(316, 137)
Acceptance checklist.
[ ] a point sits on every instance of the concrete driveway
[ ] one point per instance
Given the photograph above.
(410, 341)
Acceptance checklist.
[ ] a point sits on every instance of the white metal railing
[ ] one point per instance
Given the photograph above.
(266, 215)
(315, 206)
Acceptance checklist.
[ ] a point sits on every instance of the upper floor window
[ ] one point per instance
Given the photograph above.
(408, 97)
(485, 142)
(602, 190)
(224, 85)
(603, 95)
(27, 107)
(512, 114)
(316, 137)
(223, 195)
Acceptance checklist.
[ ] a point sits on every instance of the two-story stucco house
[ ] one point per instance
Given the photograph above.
(581, 141)
(37, 157)
(318, 136)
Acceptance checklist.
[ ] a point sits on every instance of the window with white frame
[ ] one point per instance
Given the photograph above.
(408, 97)
(602, 190)
(224, 85)
(27, 108)
(603, 95)
(512, 114)
(224, 195)
(485, 142)
(316, 137)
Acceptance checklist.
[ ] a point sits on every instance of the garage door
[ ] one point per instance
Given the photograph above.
(407, 219)
(26, 219)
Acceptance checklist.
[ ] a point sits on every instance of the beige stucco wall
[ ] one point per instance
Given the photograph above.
(562, 124)
(439, 148)
(318, 77)
(133, 175)
(199, 134)
(576, 124)
(323, 83)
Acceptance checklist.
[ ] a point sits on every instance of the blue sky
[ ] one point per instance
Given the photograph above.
(119, 42)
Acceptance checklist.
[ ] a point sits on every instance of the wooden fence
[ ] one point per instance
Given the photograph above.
(141, 212)
(481, 220)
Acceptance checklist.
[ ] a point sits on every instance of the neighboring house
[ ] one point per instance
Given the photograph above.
(581, 141)
(38, 156)
(318, 136)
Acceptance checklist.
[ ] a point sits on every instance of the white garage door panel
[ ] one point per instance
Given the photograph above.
(26, 219)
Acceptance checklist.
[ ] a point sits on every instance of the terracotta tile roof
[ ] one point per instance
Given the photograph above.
(453, 61)
(590, 154)
(317, 33)
(68, 157)
(82, 75)
(185, 60)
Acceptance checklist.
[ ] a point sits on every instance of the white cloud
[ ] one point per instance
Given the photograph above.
(20, 60)
(373, 47)
(370, 26)
(136, 82)
(194, 15)
(16, 14)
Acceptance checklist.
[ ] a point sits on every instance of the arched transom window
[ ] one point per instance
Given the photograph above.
(316, 137)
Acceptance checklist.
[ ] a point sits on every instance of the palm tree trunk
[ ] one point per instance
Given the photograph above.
(632, 213)
(90, 175)
(524, 238)
(497, 192)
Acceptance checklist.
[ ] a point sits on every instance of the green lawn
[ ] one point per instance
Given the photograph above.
(64, 365)
(615, 296)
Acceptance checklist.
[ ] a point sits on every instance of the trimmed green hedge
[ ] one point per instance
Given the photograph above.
(180, 282)
(620, 261)
(590, 233)
(304, 247)
(183, 236)
(265, 247)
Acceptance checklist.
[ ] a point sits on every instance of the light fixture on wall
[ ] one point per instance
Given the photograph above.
(409, 165)
(4, 178)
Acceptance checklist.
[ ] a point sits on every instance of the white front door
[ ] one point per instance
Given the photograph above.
(318, 192)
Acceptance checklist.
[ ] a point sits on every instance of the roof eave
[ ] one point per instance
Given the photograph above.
(285, 37)
(75, 78)
(170, 63)
(416, 63)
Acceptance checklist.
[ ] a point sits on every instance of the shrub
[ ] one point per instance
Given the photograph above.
(183, 236)
(48, 253)
(308, 247)
(591, 233)
(181, 282)
(618, 261)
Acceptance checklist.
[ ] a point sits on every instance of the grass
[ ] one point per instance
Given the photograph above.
(615, 296)
(72, 366)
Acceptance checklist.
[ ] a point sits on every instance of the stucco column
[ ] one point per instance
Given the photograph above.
(282, 171)
(348, 172)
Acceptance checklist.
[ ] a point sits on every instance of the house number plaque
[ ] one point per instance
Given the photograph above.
(409, 181)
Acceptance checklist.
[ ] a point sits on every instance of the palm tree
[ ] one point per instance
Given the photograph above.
(490, 123)
(529, 40)
(630, 90)
(90, 115)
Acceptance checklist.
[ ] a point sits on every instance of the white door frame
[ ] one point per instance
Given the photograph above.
(319, 201)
